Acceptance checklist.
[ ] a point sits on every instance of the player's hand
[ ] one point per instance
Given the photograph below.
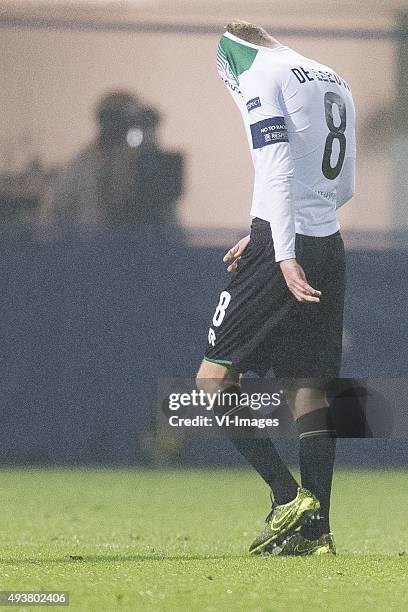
(235, 253)
(296, 281)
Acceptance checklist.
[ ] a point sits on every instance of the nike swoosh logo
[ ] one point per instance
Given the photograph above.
(300, 549)
(276, 522)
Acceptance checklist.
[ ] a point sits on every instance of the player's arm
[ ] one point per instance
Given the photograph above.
(273, 176)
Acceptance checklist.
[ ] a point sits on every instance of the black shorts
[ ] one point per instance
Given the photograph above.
(258, 324)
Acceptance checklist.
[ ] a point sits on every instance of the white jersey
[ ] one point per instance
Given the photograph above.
(300, 121)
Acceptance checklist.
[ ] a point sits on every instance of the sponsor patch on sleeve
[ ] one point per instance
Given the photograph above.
(269, 131)
(254, 103)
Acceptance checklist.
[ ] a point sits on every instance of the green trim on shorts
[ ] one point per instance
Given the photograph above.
(219, 361)
(223, 362)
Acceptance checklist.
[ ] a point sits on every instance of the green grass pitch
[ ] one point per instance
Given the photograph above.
(177, 541)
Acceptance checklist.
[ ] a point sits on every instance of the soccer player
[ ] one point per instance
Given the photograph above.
(284, 305)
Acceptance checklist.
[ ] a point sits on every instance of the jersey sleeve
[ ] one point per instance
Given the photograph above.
(268, 137)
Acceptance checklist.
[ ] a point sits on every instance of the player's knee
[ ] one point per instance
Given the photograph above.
(213, 377)
(306, 399)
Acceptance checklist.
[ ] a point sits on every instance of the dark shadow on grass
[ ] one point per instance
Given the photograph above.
(115, 558)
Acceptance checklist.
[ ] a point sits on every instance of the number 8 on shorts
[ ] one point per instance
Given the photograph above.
(219, 314)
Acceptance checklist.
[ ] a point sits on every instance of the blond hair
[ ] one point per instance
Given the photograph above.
(249, 32)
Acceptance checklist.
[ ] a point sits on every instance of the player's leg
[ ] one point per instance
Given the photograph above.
(310, 408)
(313, 497)
(253, 443)
(313, 350)
(318, 357)
(317, 446)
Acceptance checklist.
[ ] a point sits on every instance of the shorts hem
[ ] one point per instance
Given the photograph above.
(223, 362)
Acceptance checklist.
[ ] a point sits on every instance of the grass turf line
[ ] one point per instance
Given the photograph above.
(178, 540)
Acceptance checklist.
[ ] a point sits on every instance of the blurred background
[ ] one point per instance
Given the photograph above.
(124, 176)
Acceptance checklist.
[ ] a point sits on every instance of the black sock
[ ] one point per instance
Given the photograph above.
(258, 449)
(317, 438)
(348, 409)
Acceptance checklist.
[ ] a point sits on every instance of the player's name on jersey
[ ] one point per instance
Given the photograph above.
(306, 76)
